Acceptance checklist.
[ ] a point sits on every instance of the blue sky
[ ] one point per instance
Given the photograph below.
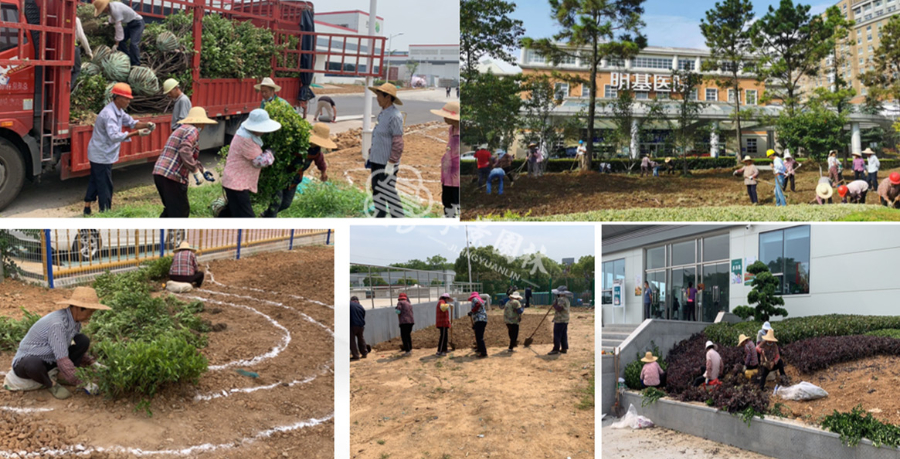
(382, 245)
(669, 22)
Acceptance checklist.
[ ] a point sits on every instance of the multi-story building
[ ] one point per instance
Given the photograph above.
(434, 63)
(856, 53)
(650, 76)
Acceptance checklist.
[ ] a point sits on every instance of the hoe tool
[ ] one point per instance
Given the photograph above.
(530, 339)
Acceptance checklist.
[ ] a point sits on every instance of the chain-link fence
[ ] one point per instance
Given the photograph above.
(64, 257)
(378, 286)
(541, 290)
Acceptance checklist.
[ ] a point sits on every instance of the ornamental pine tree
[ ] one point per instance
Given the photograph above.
(764, 295)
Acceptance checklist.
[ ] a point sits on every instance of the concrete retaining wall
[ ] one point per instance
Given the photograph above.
(382, 324)
(772, 437)
(664, 333)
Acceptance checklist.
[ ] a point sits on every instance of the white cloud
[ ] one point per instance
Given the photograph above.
(673, 31)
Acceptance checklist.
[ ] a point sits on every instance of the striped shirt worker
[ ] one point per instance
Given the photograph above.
(49, 337)
(390, 125)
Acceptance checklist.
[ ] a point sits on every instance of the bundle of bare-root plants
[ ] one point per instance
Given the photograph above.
(231, 49)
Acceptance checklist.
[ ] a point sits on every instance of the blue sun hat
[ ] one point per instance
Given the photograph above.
(259, 121)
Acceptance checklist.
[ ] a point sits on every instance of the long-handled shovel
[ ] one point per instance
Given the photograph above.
(530, 339)
(450, 331)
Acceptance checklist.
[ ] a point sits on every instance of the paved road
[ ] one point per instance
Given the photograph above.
(416, 105)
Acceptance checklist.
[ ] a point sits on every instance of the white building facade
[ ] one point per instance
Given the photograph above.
(354, 23)
(823, 269)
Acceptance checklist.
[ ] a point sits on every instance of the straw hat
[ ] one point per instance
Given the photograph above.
(516, 296)
(388, 89)
(268, 83)
(770, 336)
(321, 136)
(668, 159)
(259, 122)
(100, 6)
(832, 153)
(824, 190)
(450, 110)
(742, 339)
(532, 144)
(197, 115)
(184, 246)
(84, 297)
(856, 153)
(747, 158)
(868, 151)
(710, 344)
(649, 357)
(169, 85)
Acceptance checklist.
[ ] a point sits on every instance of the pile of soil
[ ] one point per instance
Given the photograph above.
(495, 335)
(565, 193)
(238, 410)
(18, 432)
(424, 145)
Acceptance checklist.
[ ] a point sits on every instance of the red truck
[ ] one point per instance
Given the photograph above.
(37, 46)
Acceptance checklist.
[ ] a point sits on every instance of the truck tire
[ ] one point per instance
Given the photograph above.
(87, 245)
(174, 238)
(12, 172)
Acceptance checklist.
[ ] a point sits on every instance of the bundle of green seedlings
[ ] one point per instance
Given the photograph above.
(231, 49)
(144, 343)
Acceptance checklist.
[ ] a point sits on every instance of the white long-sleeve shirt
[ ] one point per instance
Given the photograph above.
(873, 165)
(82, 38)
(120, 13)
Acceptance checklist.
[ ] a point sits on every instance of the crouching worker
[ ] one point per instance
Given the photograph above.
(652, 375)
(184, 266)
(55, 342)
(769, 359)
(751, 358)
(714, 367)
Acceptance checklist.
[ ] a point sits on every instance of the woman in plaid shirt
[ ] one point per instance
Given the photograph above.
(184, 266)
(177, 160)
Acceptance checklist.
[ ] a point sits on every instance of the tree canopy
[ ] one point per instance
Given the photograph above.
(486, 30)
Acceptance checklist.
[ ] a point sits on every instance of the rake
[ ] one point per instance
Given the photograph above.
(530, 339)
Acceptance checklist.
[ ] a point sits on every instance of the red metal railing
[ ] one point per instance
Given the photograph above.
(57, 33)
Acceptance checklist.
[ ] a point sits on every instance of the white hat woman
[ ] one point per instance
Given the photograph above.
(750, 173)
(245, 159)
(384, 155)
(179, 158)
(450, 160)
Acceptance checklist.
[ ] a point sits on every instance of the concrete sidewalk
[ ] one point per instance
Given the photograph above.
(659, 442)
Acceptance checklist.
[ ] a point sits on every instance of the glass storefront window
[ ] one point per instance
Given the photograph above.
(684, 253)
(770, 250)
(656, 258)
(715, 248)
(786, 252)
(611, 271)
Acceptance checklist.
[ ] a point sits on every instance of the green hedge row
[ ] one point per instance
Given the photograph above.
(796, 329)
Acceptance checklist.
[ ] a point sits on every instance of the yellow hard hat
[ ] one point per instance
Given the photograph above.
(769, 153)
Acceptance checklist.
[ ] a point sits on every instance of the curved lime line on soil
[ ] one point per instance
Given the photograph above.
(248, 390)
(273, 303)
(213, 280)
(799, 213)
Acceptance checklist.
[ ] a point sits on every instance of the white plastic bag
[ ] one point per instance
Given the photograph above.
(631, 419)
(802, 391)
(178, 287)
(14, 383)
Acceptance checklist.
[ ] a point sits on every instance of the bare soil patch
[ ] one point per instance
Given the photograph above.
(424, 145)
(240, 424)
(15, 295)
(514, 405)
(565, 193)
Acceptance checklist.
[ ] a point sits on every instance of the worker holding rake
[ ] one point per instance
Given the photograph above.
(55, 342)
(560, 321)
(512, 315)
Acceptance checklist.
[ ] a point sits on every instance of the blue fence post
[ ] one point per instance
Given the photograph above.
(49, 258)
(291, 244)
(328, 238)
(239, 245)
(162, 243)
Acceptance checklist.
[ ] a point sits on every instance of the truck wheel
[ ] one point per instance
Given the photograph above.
(174, 238)
(12, 172)
(87, 244)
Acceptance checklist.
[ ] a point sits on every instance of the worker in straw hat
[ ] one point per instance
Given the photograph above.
(56, 342)
(180, 157)
(652, 375)
(182, 107)
(769, 359)
(824, 190)
(834, 168)
(854, 192)
(750, 173)
(129, 26)
(889, 191)
(319, 140)
(106, 141)
(790, 165)
(560, 321)
(670, 166)
(859, 166)
(244, 161)
(512, 315)
(872, 166)
(780, 170)
(450, 160)
(385, 152)
(184, 266)
(751, 357)
(267, 90)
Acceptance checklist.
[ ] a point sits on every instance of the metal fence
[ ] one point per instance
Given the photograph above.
(378, 286)
(541, 290)
(63, 257)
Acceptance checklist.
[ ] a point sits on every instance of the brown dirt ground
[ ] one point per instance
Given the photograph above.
(565, 193)
(659, 442)
(495, 335)
(424, 145)
(870, 382)
(14, 295)
(506, 406)
(178, 421)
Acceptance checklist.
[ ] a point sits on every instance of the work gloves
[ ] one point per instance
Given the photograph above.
(208, 176)
(264, 160)
(144, 132)
(152, 126)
